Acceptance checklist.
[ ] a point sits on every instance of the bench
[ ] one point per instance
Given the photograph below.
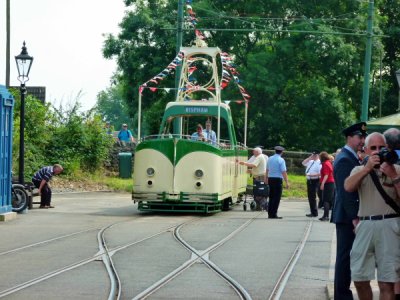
(32, 192)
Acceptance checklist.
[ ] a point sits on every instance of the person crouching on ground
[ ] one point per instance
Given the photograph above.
(41, 181)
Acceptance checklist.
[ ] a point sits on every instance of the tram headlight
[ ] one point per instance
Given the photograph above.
(198, 184)
(150, 172)
(198, 173)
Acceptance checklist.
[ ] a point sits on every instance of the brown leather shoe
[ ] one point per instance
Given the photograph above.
(42, 206)
(49, 206)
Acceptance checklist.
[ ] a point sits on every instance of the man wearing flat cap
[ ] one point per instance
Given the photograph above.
(276, 173)
(344, 212)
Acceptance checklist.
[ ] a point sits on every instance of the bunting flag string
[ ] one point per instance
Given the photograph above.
(187, 88)
(177, 61)
(229, 72)
(192, 20)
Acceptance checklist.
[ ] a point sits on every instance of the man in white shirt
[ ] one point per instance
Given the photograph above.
(257, 163)
(313, 168)
(209, 133)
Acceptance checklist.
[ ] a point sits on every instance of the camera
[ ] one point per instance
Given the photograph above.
(388, 156)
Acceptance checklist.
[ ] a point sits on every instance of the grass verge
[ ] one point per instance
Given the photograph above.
(99, 181)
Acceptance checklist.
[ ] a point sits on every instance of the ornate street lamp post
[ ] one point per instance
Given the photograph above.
(398, 82)
(24, 63)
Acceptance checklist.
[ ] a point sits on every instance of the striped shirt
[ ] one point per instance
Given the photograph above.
(44, 173)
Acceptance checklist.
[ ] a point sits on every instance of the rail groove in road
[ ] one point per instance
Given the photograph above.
(287, 271)
(203, 256)
(47, 241)
(98, 256)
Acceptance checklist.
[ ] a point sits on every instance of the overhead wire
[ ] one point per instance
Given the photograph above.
(255, 21)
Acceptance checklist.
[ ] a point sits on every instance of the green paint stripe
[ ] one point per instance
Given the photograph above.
(185, 147)
(164, 146)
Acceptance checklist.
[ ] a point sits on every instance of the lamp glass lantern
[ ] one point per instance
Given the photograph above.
(24, 63)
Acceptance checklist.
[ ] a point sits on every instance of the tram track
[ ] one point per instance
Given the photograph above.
(104, 254)
(115, 282)
(204, 257)
(48, 241)
(288, 269)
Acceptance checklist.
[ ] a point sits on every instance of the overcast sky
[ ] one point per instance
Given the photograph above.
(65, 39)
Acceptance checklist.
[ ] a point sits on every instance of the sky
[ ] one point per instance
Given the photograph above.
(65, 38)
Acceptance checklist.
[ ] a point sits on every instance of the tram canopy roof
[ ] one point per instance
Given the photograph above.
(384, 123)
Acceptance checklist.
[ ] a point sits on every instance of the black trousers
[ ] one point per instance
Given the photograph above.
(275, 194)
(328, 195)
(45, 195)
(312, 190)
(344, 239)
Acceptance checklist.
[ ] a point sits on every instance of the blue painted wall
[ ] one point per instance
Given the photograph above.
(6, 125)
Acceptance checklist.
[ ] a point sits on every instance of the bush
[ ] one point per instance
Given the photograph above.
(59, 135)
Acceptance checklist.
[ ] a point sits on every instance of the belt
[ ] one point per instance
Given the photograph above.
(312, 178)
(379, 217)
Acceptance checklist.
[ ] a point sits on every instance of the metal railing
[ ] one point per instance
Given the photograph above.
(223, 144)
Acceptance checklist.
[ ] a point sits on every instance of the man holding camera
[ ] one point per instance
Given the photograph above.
(377, 241)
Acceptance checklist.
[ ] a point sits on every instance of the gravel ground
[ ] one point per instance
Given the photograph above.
(63, 185)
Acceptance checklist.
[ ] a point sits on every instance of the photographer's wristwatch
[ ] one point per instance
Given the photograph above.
(396, 180)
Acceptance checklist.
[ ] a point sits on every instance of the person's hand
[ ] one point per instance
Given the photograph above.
(287, 185)
(355, 223)
(39, 192)
(322, 187)
(373, 161)
(388, 170)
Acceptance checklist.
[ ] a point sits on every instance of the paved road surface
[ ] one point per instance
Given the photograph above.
(54, 253)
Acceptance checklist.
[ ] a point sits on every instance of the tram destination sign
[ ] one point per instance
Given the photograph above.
(196, 109)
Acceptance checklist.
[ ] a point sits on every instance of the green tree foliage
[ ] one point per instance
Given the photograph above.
(112, 107)
(59, 135)
(305, 86)
(39, 128)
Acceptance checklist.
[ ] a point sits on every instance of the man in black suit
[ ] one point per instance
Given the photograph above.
(344, 213)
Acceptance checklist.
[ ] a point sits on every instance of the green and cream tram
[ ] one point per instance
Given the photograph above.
(174, 171)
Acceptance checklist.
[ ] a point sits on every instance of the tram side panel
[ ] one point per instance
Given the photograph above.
(238, 179)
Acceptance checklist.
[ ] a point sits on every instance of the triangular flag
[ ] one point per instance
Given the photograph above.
(167, 90)
(153, 89)
(227, 102)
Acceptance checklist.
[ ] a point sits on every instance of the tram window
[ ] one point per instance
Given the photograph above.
(189, 126)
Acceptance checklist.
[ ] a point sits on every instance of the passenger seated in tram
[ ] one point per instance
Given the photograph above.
(199, 134)
(209, 133)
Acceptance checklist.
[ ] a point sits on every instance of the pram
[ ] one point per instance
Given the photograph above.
(257, 196)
